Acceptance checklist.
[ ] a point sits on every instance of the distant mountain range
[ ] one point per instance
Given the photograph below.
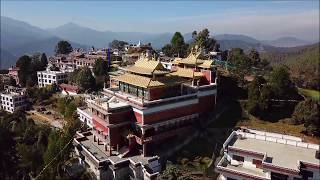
(19, 38)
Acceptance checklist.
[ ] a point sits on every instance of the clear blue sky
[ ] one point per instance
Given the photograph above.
(261, 19)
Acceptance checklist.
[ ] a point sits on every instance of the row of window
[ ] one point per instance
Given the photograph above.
(7, 108)
(15, 99)
(49, 81)
(52, 76)
(134, 90)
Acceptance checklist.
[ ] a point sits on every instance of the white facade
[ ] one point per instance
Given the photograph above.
(50, 77)
(85, 116)
(11, 101)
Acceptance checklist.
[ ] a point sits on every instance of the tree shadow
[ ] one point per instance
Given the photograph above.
(279, 111)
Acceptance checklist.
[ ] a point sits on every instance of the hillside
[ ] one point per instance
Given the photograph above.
(6, 58)
(19, 38)
(303, 63)
(287, 42)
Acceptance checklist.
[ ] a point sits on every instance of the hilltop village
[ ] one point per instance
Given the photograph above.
(131, 112)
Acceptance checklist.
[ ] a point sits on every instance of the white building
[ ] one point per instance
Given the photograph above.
(51, 77)
(85, 116)
(13, 98)
(251, 154)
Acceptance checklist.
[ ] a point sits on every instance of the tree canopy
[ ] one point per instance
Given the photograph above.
(43, 61)
(63, 47)
(177, 46)
(281, 83)
(100, 67)
(117, 44)
(203, 40)
(85, 79)
(29, 65)
(307, 113)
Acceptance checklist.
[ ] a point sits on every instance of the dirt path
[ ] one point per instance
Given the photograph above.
(40, 117)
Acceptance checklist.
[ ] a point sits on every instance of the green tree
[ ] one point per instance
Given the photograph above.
(116, 44)
(24, 64)
(63, 47)
(238, 58)
(281, 83)
(259, 95)
(254, 57)
(253, 97)
(85, 79)
(100, 67)
(43, 61)
(203, 40)
(307, 113)
(168, 50)
(177, 46)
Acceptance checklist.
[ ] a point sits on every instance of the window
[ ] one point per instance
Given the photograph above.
(140, 92)
(238, 158)
(49, 81)
(49, 76)
(145, 93)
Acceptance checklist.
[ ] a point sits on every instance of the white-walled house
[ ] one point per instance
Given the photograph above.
(252, 154)
(12, 99)
(51, 77)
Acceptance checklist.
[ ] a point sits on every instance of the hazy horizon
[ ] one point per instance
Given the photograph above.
(263, 20)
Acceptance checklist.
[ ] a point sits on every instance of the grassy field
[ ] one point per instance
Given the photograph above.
(314, 94)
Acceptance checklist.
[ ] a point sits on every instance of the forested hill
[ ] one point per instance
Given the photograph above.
(303, 62)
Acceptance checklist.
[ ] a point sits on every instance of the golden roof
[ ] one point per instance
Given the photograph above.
(187, 72)
(192, 59)
(139, 81)
(176, 60)
(146, 82)
(148, 67)
(206, 64)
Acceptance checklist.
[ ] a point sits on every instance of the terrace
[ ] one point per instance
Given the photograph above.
(100, 154)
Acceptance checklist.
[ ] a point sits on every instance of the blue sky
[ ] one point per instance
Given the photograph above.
(260, 19)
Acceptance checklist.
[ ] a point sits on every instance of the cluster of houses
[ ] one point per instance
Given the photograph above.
(144, 105)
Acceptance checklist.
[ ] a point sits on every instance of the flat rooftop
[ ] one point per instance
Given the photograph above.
(283, 155)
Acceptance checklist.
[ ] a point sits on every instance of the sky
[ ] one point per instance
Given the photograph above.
(261, 19)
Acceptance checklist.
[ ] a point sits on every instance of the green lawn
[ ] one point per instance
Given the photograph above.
(314, 94)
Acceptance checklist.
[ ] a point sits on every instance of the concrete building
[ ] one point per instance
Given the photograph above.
(251, 154)
(51, 77)
(149, 106)
(13, 98)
